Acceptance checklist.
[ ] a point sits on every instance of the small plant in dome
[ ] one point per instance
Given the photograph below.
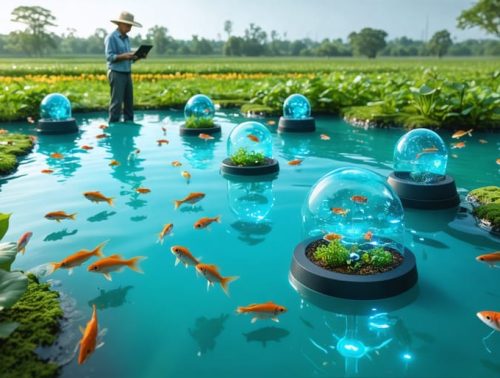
(193, 122)
(246, 158)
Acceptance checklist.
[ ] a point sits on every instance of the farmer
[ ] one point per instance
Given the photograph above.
(120, 59)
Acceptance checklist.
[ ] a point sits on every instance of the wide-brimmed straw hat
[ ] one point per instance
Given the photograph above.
(126, 18)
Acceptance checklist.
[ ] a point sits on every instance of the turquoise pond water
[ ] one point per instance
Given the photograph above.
(164, 323)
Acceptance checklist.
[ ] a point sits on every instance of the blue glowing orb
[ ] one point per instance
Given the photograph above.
(296, 106)
(358, 205)
(199, 106)
(251, 136)
(55, 107)
(250, 201)
(351, 348)
(422, 154)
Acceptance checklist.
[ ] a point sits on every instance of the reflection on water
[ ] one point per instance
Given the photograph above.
(294, 146)
(138, 218)
(206, 331)
(59, 235)
(251, 233)
(265, 335)
(110, 298)
(102, 216)
(65, 144)
(191, 209)
(198, 152)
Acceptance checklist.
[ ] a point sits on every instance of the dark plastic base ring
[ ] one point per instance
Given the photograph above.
(260, 170)
(66, 126)
(305, 125)
(190, 131)
(440, 195)
(352, 286)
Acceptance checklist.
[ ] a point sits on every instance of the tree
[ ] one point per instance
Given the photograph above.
(255, 41)
(440, 43)
(368, 41)
(158, 36)
(35, 39)
(485, 14)
(234, 46)
(228, 27)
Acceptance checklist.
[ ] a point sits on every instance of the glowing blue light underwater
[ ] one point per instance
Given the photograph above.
(407, 356)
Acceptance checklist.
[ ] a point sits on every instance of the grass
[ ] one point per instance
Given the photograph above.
(199, 123)
(13, 146)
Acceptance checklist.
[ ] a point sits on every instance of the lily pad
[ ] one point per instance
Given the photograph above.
(4, 224)
(7, 328)
(8, 253)
(12, 287)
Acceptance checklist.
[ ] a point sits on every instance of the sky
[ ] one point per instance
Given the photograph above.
(315, 19)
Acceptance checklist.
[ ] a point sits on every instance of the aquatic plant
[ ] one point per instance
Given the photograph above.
(12, 146)
(199, 123)
(379, 257)
(246, 158)
(486, 202)
(484, 195)
(333, 254)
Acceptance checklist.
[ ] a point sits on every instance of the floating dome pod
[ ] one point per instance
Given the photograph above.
(250, 151)
(296, 115)
(358, 208)
(199, 114)
(419, 177)
(55, 115)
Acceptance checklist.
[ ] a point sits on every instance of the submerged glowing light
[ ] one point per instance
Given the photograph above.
(296, 106)
(55, 107)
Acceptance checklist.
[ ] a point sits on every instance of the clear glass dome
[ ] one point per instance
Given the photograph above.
(252, 137)
(199, 106)
(359, 206)
(422, 154)
(251, 201)
(55, 107)
(296, 106)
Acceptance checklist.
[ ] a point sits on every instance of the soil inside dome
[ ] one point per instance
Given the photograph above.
(267, 161)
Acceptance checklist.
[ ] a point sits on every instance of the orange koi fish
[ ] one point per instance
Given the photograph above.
(211, 273)
(368, 236)
(332, 236)
(205, 222)
(101, 136)
(59, 215)
(324, 137)
(176, 163)
(191, 198)
(253, 138)
(86, 148)
(103, 127)
(483, 141)
(47, 171)
(143, 190)
(268, 310)
(182, 255)
(460, 133)
(77, 258)
(167, 229)
(205, 137)
(89, 338)
(458, 145)
(56, 155)
(186, 175)
(114, 263)
(490, 318)
(359, 199)
(23, 242)
(490, 258)
(339, 211)
(271, 122)
(295, 162)
(429, 150)
(114, 163)
(162, 141)
(98, 197)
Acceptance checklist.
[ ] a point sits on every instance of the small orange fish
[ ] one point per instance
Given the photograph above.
(205, 222)
(103, 127)
(460, 133)
(490, 258)
(271, 122)
(490, 318)
(114, 163)
(295, 162)
(143, 190)
(429, 150)
(253, 138)
(191, 198)
(267, 310)
(332, 236)
(59, 215)
(339, 211)
(56, 155)
(162, 141)
(98, 197)
(183, 255)
(368, 236)
(324, 137)
(101, 136)
(458, 145)
(48, 171)
(483, 141)
(176, 163)
(498, 161)
(77, 258)
(23, 242)
(186, 175)
(86, 148)
(205, 137)
(211, 273)
(89, 338)
(359, 199)
(167, 229)
(114, 263)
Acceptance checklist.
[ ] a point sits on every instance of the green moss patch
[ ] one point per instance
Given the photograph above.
(486, 202)
(11, 147)
(38, 312)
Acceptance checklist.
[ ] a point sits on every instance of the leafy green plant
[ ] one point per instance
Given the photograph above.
(425, 99)
(199, 123)
(333, 254)
(380, 257)
(246, 158)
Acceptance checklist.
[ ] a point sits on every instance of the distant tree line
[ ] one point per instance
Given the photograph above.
(36, 40)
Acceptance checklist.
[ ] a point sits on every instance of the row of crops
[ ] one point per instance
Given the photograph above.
(431, 93)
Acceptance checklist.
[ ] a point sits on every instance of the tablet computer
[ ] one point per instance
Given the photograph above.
(143, 51)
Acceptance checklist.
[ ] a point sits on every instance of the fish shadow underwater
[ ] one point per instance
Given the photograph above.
(110, 298)
(266, 334)
(206, 331)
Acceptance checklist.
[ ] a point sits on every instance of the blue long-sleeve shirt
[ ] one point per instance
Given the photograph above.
(116, 44)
